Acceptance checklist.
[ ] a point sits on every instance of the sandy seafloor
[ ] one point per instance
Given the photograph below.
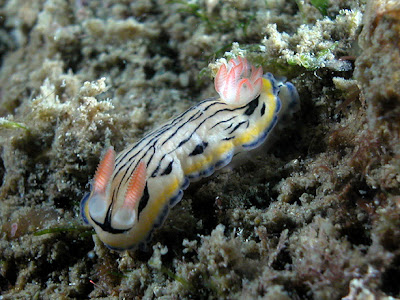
(314, 215)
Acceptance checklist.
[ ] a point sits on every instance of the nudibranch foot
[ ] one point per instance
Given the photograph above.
(286, 92)
(176, 199)
(83, 206)
(134, 190)
(224, 161)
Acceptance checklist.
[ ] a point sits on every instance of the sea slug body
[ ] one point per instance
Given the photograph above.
(133, 191)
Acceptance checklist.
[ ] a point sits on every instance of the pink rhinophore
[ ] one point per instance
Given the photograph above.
(238, 82)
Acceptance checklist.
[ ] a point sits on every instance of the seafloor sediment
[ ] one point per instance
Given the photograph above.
(315, 215)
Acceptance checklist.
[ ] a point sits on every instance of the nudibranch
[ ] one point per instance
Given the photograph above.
(133, 191)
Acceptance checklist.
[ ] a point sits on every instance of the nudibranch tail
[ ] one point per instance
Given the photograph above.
(133, 191)
(238, 82)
